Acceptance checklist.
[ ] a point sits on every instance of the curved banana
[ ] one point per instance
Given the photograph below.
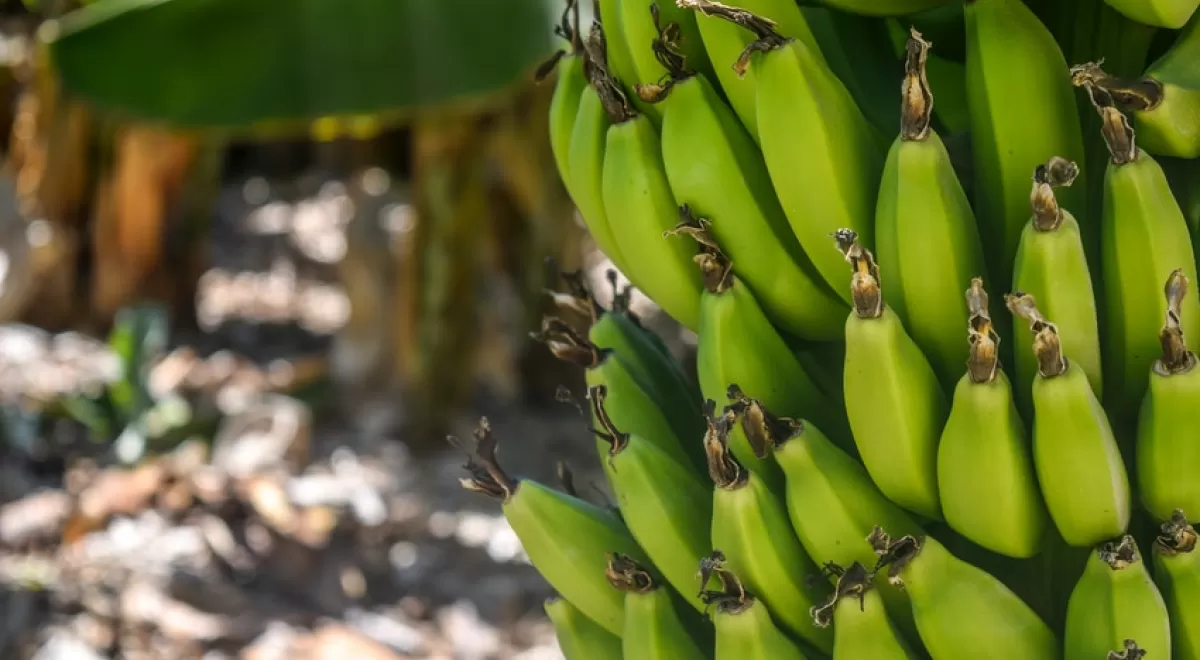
(1177, 574)
(618, 53)
(960, 610)
(1080, 471)
(716, 171)
(568, 88)
(1168, 14)
(893, 399)
(1113, 601)
(831, 500)
(1166, 436)
(986, 479)
(654, 629)
(633, 402)
(641, 207)
(566, 539)
(579, 637)
(822, 154)
(746, 630)
(861, 627)
(1011, 55)
(666, 505)
(1145, 237)
(750, 525)
(1052, 267)
(925, 228)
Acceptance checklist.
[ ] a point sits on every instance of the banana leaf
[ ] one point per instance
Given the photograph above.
(233, 63)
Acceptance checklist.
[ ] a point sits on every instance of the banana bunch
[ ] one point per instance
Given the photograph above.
(943, 403)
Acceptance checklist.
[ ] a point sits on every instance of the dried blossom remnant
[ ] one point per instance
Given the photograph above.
(716, 269)
(595, 69)
(1131, 651)
(853, 582)
(725, 470)
(565, 343)
(864, 284)
(617, 441)
(732, 597)
(1118, 133)
(668, 54)
(983, 361)
(1177, 537)
(764, 430)
(486, 475)
(894, 554)
(1056, 173)
(762, 27)
(916, 106)
(566, 28)
(1046, 344)
(1176, 358)
(1120, 554)
(627, 575)
(1138, 95)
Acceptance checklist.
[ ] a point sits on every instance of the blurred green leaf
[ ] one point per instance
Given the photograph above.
(139, 334)
(227, 63)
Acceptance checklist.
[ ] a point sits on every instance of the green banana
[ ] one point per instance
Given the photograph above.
(873, 70)
(893, 399)
(579, 637)
(715, 170)
(1080, 471)
(634, 404)
(1145, 237)
(666, 505)
(750, 525)
(618, 52)
(745, 628)
(565, 538)
(738, 344)
(1012, 57)
(1169, 14)
(960, 610)
(823, 156)
(925, 228)
(654, 628)
(1116, 600)
(1183, 175)
(1052, 267)
(643, 21)
(1177, 574)
(986, 479)
(861, 629)
(568, 87)
(831, 500)
(640, 207)
(1166, 435)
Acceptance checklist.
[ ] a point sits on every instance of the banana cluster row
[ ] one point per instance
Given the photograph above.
(855, 471)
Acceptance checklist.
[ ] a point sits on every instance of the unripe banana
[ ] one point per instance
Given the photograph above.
(861, 627)
(565, 538)
(619, 53)
(1145, 237)
(633, 403)
(1011, 55)
(831, 500)
(1169, 14)
(654, 628)
(579, 637)
(715, 170)
(745, 628)
(893, 399)
(986, 479)
(960, 610)
(738, 344)
(643, 21)
(750, 526)
(822, 154)
(1080, 471)
(1169, 419)
(925, 228)
(1177, 574)
(568, 88)
(1051, 266)
(667, 507)
(1116, 600)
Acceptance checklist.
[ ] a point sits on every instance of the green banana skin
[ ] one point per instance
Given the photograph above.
(861, 627)
(1116, 600)
(831, 500)
(1011, 55)
(874, 67)
(654, 628)
(925, 231)
(894, 401)
(723, 178)
(823, 156)
(641, 207)
(1183, 175)
(986, 479)
(960, 610)
(666, 505)
(750, 525)
(745, 629)
(1169, 14)
(579, 637)
(565, 538)
(1172, 128)
(618, 53)
(1051, 266)
(1166, 439)
(564, 108)
(1177, 574)
(1082, 476)
(642, 21)
(585, 166)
